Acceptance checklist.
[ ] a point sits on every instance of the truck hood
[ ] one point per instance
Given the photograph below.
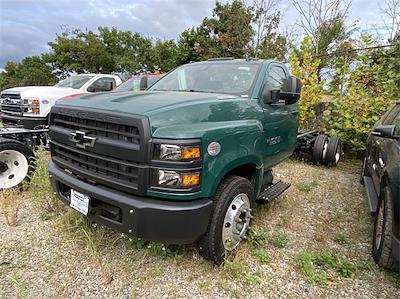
(145, 103)
(169, 108)
(42, 92)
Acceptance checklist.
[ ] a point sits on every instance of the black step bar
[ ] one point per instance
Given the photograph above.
(272, 192)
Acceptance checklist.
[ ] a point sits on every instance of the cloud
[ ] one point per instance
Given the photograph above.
(27, 26)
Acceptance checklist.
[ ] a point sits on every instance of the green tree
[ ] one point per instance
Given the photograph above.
(267, 42)
(197, 44)
(165, 55)
(324, 22)
(231, 27)
(372, 85)
(131, 52)
(304, 66)
(273, 45)
(79, 51)
(31, 70)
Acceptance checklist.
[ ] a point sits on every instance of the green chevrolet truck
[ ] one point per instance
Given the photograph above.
(183, 162)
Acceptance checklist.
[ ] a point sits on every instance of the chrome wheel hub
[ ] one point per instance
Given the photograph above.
(14, 168)
(236, 222)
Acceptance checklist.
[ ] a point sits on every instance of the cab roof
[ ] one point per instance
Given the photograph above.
(232, 60)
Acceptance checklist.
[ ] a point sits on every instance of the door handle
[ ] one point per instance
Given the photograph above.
(294, 112)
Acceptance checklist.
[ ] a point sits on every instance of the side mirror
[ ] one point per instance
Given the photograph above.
(143, 83)
(385, 131)
(290, 94)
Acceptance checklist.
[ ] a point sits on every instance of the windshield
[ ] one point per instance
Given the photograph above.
(74, 81)
(230, 78)
(132, 84)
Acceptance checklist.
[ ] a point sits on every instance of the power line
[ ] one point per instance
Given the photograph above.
(353, 50)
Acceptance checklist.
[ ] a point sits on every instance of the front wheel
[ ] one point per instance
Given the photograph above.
(230, 221)
(382, 238)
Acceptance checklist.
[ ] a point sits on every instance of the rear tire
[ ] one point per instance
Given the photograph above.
(230, 221)
(16, 163)
(332, 152)
(319, 149)
(382, 237)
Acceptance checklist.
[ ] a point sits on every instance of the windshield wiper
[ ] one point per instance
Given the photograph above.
(195, 90)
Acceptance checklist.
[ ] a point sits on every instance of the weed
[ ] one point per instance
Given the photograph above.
(155, 248)
(85, 232)
(234, 268)
(10, 201)
(345, 268)
(307, 187)
(366, 266)
(314, 264)
(262, 256)
(19, 286)
(251, 279)
(283, 221)
(305, 261)
(341, 238)
(40, 188)
(280, 239)
(240, 271)
(257, 237)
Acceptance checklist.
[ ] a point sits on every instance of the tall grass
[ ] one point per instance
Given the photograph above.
(10, 201)
(40, 189)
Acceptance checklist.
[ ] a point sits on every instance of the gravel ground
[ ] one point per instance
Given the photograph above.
(324, 210)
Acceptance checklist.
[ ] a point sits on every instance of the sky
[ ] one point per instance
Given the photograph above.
(26, 26)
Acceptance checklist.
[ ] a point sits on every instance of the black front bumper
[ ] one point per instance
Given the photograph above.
(166, 221)
(22, 121)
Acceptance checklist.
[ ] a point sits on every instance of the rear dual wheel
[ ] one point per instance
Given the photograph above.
(326, 150)
(230, 221)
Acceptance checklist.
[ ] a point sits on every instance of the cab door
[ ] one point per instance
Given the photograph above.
(280, 122)
(381, 148)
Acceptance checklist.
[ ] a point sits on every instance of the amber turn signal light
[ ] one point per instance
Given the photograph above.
(190, 153)
(190, 179)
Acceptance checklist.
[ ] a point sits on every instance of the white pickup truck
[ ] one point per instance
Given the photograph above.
(29, 106)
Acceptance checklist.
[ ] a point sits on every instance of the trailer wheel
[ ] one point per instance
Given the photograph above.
(230, 221)
(333, 151)
(319, 149)
(16, 163)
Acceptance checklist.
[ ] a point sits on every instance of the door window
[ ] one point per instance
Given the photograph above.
(102, 82)
(276, 78)
(389, 117)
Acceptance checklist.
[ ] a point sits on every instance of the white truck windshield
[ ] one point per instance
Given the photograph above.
(75, 82)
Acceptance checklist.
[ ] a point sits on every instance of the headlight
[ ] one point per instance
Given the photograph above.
(167, 178)
(174, 152)
(33, 105)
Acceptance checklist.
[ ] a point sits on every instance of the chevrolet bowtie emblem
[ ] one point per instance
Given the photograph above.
(81, 140)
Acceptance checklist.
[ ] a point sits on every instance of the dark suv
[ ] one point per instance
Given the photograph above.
(381, 176)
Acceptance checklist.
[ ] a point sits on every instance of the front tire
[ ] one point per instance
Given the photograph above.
(382, 237)
(230, 221)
